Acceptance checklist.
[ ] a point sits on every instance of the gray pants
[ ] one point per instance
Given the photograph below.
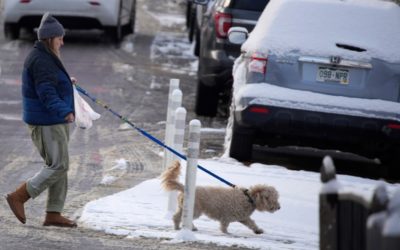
(52, 143)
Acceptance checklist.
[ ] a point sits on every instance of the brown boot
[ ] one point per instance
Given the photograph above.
(56, 219)
(16, 202)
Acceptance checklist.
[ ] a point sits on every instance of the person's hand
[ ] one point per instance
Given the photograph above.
(74, 80)
(70, 118)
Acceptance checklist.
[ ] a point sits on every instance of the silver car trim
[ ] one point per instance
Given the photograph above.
(244, 21)
(345, 63)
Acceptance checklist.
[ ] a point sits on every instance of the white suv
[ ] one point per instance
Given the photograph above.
(117, 17)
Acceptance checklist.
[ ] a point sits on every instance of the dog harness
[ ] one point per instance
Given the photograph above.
(246, 192)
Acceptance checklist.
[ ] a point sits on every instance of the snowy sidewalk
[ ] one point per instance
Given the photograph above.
(141, 210)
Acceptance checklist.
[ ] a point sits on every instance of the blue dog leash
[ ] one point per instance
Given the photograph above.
(143, 132)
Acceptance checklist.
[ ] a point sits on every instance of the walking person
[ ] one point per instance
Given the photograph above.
(48, 108)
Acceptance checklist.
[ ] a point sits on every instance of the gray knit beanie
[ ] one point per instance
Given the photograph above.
(49, 27)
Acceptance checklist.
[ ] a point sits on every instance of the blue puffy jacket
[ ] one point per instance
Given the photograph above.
(47, 91)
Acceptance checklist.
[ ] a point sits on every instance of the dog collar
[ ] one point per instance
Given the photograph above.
(246, 192)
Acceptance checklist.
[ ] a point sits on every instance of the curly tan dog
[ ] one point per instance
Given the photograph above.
(223, 204)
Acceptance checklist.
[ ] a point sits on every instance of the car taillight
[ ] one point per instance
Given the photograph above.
(94, 3)
(259, 110)
(393, 125)
(24, 1)
(258, 63)
(223, 22)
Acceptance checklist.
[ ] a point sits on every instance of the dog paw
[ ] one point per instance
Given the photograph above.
(259, 231)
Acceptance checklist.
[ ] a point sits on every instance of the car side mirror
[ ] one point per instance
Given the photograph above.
(200, 2)
(237, 35)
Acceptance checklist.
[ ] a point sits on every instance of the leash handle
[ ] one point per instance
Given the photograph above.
(148, 135)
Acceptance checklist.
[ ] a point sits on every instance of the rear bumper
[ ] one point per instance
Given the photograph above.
(286, 117)
(68, 22)
(72, 14)
(279, 126)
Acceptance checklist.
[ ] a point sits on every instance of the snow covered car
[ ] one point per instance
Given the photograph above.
(216, 54)
(322, 74)
(117, 17)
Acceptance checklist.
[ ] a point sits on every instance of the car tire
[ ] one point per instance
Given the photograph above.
(191, 24)
(188, 12)
(130, 27)
(206, 100)
(392, 163)
(115, 33)
(11, 31)
(241, 147)
(197, 43)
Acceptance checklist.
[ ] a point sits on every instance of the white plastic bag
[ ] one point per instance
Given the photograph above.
(84, 114)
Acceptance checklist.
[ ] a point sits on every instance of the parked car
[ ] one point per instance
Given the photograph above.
(216, 54)
(320, 74)
(116, 17)
(195, 21)
(190, 18)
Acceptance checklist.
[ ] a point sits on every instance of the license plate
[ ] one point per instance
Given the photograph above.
(325, 74)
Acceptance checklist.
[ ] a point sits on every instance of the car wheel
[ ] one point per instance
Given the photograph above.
(130, 27)
(188, 12)
(115, 33)
(192, 24)
(392, 163)
(241, 147)
(206, 100)
(197, 43)
(11, 31)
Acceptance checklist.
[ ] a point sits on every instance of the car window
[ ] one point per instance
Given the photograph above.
(252, 5)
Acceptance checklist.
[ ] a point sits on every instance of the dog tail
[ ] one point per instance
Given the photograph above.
(170, 176)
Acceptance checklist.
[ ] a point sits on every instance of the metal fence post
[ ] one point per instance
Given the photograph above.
(328, 205)
(190, 181)
(377, 217)
(352, 214)
(179, 125)
(391, 227)
(350, 222)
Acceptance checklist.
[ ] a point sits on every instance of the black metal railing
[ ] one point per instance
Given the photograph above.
(349, 221)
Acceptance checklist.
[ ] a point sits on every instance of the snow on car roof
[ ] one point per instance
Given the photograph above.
(314, 27)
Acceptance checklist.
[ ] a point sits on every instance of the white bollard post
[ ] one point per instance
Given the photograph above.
(179, 125)
(179, 129)
(174, 101)
(190, 181)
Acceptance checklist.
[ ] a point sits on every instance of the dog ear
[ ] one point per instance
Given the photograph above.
(265, 197)
(175, 164)
(256, 192)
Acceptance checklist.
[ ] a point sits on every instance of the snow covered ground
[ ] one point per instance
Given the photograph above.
(142, 210)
